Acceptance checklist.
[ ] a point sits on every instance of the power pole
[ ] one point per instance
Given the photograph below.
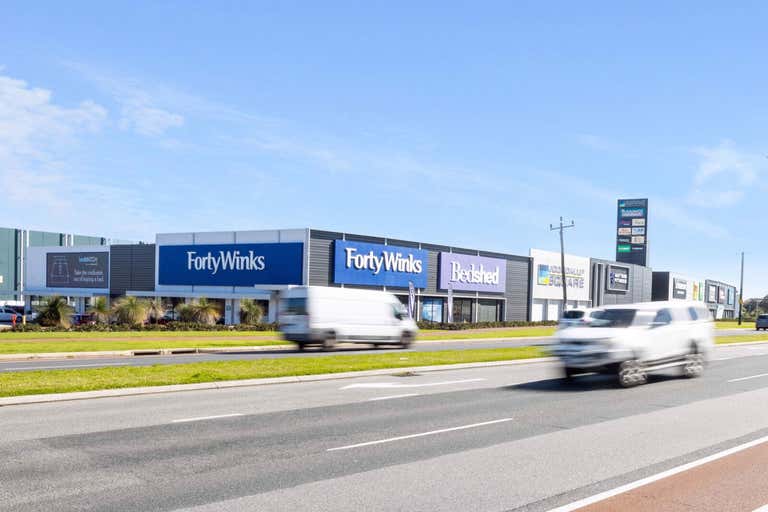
(741, 289)
(560, 228)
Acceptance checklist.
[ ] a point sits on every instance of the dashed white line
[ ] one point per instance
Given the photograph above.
(655, 478)
(391, 397)
(392, 385)
(203, 418)
(421, 434)
(749, 378)
(61, 367)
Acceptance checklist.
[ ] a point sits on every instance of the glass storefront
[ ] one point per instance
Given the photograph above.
(432, 309)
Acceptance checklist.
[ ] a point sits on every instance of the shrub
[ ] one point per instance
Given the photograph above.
(482, 325)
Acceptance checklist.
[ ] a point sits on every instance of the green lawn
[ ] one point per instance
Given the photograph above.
(518, 332)
(740, 338)
(63, 381)
(734, 324)
(7, 335)
(42, 347)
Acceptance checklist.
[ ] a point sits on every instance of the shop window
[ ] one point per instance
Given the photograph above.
(489, 310)
(462, 310)
(432, 310)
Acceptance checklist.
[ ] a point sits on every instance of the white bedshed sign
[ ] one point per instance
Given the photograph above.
(547, 276)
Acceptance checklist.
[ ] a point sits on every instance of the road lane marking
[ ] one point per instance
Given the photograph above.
(750, 377)
(391, 396)
(391, 385)
(655, 478)
(421, 434)
(61, 367)
(203, 418)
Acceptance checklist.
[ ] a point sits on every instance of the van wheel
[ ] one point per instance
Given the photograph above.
(631, 373)
(329, 341)
(694, 364)
(406, 340)
(301, 346)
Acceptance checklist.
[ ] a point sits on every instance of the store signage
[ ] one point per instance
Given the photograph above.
(77, 270)
(632, 219)
(721, 295)
(231, 264)
(617, 278)
(472, 273)
(547, 280)
(731, 296)
(679, 288)
(379, 265)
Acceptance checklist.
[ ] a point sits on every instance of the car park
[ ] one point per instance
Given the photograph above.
(633, 340)
(761, 323)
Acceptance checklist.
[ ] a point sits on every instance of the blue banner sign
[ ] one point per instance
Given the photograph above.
(231, 264)
(379, 265)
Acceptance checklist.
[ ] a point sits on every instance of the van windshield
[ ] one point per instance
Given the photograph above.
(613, 318)
(295, 306)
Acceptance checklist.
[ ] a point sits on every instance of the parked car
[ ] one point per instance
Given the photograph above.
(762, 322)
(319, 315)
(8, 315)
(82, 319)
(575, 317)
(632, 340)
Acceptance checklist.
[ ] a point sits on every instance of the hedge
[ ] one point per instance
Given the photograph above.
(170, 326)
(482, 325)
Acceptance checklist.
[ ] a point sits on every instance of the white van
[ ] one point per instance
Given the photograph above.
(635, 339)
(322, 315)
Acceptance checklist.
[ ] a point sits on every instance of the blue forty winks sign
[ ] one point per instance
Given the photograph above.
(379, 265)
(231, 264)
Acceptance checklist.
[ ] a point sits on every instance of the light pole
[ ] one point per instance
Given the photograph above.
(741, 289)
(560, 228)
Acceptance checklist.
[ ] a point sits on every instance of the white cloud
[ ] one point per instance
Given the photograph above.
(724, 175)
(147, 120)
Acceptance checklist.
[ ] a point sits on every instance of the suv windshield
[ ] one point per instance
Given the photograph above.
(613, 318)
(573, 315)
(762, 317)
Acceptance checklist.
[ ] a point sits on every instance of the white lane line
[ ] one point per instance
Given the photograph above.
(750, 377)
(659, 476)
(422, 434)
(391, 397)
(61, 367)
(392, 385)
(203, 418)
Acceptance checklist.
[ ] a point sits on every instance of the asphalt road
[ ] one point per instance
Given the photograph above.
(498, 439)
(266, 353)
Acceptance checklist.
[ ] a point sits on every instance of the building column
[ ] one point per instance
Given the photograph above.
(272, 308)
(80, 305)
(235, 311)
(27, 304)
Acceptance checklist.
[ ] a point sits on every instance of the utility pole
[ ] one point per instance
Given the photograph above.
(560, 228)
(741, 289)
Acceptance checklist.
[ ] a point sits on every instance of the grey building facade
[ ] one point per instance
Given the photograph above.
(619, 283)
(720, 299)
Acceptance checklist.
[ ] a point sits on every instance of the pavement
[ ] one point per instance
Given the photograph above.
(77, 360)
(496, 438)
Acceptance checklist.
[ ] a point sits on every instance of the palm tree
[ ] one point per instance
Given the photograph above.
(251, 312)
(100, 310)
(155, 309)
(186, 312)
(131, 311)
(206, 312)
(55, 312)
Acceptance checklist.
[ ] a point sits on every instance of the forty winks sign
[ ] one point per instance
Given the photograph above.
(379, 265)
(231, 264)
(472, 273)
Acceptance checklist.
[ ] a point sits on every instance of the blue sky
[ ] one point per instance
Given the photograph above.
(470, 123)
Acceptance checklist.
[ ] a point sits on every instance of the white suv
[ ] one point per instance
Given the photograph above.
(635, 339)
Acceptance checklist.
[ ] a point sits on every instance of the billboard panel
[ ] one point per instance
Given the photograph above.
(617, 278)
(547, 276)
(77, 270)
(472, 273)
(632, 220)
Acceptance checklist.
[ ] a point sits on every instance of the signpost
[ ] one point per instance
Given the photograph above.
(411, 299)
(632, 231)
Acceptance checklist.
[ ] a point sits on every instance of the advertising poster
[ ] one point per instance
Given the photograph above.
(712, 293)
(721, 295)
(77, 270)
(679, 288)
(632, 220)
(617, 279)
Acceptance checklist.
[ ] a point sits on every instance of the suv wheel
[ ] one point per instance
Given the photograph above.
(569, 373)
(631, 373)
(694, 364)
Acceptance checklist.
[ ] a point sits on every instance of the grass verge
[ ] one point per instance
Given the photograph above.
(734, 324)
(66, 381)
(65, 335)
(43, 347)
(739, 338)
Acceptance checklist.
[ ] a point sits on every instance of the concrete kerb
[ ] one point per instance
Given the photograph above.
(151, 390)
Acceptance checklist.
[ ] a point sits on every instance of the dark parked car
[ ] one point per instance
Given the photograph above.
(762, 322)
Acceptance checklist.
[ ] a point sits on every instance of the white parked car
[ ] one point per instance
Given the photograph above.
(575, 317)
(321, 315)
(633, 340)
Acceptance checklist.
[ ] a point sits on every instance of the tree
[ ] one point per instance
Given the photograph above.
(55, 312)
(251, 311)
(100, 310)
(186, 312)
(155, 309)
(131, 311)
(206, 312)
